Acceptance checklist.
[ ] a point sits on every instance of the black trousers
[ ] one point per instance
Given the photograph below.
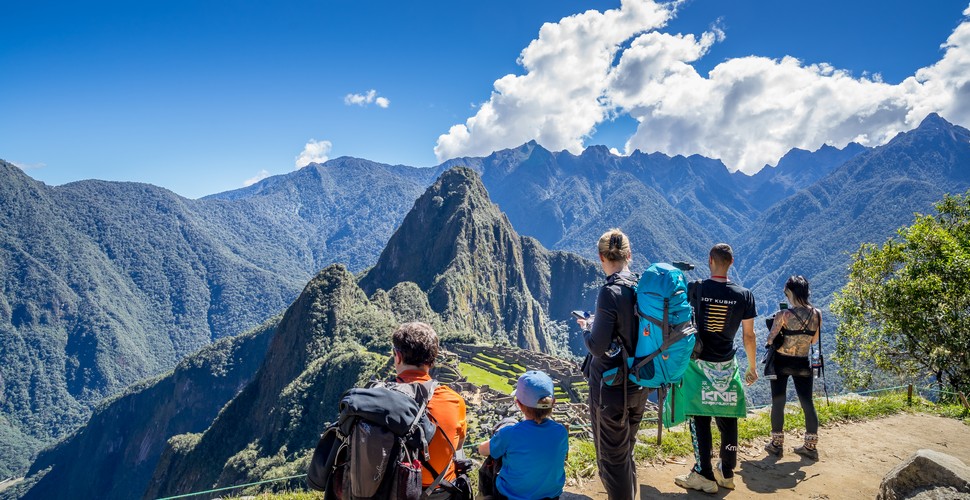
(614, 434)
(803, 388)
(700, 430)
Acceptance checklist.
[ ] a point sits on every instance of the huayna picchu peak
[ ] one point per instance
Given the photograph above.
(454, 233)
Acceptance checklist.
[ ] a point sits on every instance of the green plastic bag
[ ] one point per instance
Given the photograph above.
(709, 388)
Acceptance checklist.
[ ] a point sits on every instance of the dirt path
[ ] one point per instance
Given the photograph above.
(853, 460)
(7, 483)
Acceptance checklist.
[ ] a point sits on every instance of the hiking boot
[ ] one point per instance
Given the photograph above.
(723, 482)
(774, 449)
(776, 446)
(808, 450)
(805, 451)
(695, 481)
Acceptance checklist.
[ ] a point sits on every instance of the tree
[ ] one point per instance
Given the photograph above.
(906, 308)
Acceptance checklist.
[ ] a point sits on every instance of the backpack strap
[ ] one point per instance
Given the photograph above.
(672, 339)
(617, 279)
(821, 356)
(439, 477)
(429, 387)
(695, 301)
(661, 396)
(414, 390)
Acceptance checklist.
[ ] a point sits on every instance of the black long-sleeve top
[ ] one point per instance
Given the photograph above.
(615, 318)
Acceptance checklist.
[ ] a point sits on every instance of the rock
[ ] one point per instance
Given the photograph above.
(928, 473)
(943, 493)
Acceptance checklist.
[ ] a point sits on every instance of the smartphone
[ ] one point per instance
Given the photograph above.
(581, 314)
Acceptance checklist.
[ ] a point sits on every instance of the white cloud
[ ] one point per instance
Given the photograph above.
(559, 99)
(369, 97)
(314, 152)
(253, 180)
(747, 111)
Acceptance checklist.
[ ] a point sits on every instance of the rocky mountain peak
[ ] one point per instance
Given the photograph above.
(462, 251)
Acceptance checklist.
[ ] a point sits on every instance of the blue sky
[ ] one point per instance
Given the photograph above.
(200, 97)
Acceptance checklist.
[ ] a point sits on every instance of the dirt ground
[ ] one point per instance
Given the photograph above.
(853, 458)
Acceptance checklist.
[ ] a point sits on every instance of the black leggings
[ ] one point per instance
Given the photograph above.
(700, 429)
(803, 388)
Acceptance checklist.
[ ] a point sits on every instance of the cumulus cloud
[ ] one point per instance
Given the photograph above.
(560, 98)
(258, 177)
(747, 111)
(314, 152)
(369, 97)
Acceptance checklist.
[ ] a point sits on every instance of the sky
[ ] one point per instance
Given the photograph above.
(205, 97)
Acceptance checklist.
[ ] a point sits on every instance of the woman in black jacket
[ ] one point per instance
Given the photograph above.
(616, 407)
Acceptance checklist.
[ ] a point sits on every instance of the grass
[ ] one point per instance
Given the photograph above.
(492, 360)
(286, 495)
(480, 376)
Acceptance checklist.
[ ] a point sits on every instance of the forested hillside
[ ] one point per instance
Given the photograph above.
(108, 283)
(335, 336)
(814, 231)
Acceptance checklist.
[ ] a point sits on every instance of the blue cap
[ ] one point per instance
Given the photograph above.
(533, 386)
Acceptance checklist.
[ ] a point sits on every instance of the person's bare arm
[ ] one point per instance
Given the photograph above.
(777, 325)
(751, 349)
(483, 449)
(818, 331)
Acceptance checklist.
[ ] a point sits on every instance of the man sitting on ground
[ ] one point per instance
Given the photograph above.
(415, 350)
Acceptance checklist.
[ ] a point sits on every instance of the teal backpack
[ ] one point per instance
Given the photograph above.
(666, 338)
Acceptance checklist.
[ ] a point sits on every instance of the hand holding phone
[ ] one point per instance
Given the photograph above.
(583, 318)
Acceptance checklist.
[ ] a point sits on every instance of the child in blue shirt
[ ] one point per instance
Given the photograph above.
(533, 451)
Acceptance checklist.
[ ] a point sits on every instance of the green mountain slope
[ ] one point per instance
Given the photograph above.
(334, 336)
(115, 453)
(106, 283)
(814, 231)
(330, 339)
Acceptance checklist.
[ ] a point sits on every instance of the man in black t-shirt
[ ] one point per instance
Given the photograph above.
(720, 307)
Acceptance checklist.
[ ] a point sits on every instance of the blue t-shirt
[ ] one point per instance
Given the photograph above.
(533, 459)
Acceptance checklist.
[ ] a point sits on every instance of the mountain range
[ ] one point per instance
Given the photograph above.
(333, 336)
(109, 283)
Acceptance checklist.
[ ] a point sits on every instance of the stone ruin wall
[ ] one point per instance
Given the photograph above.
(491, 405)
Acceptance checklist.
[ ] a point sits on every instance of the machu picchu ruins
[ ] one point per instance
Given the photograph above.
(488, 404)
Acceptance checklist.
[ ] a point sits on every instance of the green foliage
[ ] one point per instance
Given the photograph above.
(906, 308)
(15, 447)
(107, 283)
(480, 376)
(581, 461)
(331, 339)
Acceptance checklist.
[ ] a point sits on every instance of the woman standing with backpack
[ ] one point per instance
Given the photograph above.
(615, 410)
(798, 327)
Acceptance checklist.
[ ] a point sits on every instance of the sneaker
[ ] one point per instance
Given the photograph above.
(724, 482)
(695, 481)
(774, 449)
(809, 453)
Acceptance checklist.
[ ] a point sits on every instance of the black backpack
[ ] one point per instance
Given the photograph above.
(379, 446)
